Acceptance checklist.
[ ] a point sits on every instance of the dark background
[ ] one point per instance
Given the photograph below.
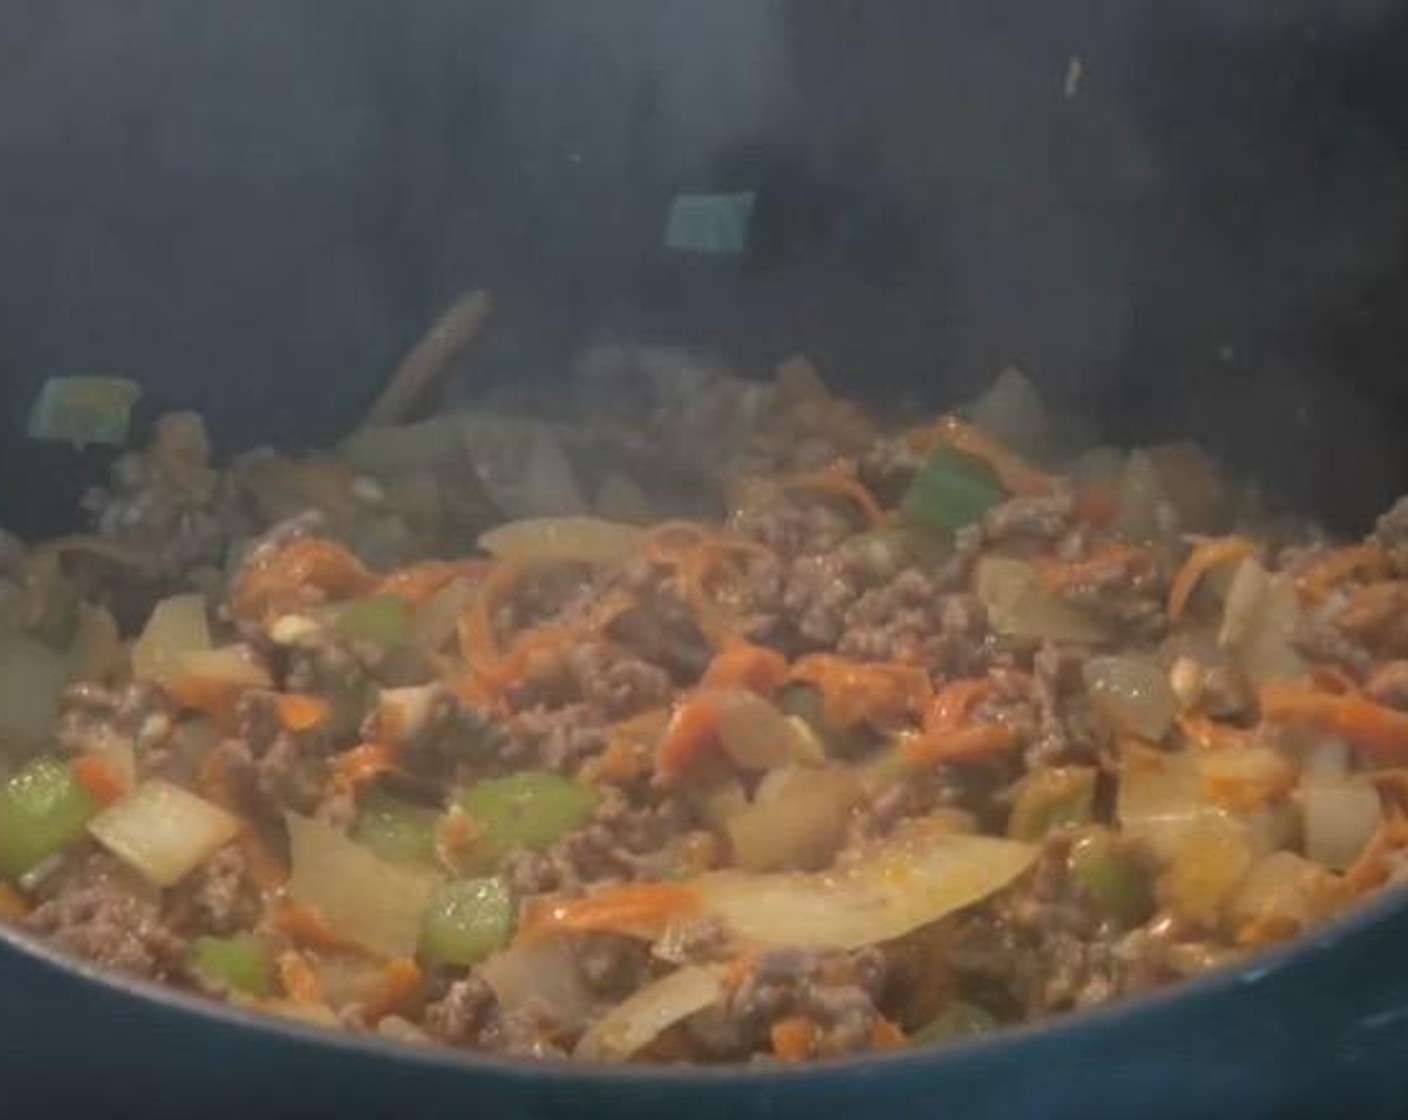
(253, 208)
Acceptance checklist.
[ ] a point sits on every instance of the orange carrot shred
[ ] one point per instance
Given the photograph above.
(1373, 729)
(886, 1035)
(299, 980)
(880, 693)
(1097, 505)
(401, 989)
(692, 734)
(13, 906)
(1107, 562)
(960, 744)
(283, 579)
(354, 768)
(216, 698)
(743, 665)
(299, 712)
(839, 481)
(1207, 554)
(635, 910)
(419, 583)
(99, 778)
(794, 1039)
(1317, 580)
(307, 927)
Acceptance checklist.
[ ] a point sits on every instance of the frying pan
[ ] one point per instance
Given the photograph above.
(1182, 219)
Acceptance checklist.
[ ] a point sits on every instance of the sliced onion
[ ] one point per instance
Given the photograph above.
(797, 822)
(163, 831)
(587, 540)
(522, 464)
(632, 1025)
(401, 449)
(434, 624)
(366, 899)
(1141, 494)
(1020, 607)
(541, 972)
(1284, 893)
(1012, 410)
(1160, 800)
(909, 882)
(1133, 693)
(757, 735)
(620, 499)
(1341, 814)
(32, 680)
(1213, 854)
(229, 665)
(178, 626)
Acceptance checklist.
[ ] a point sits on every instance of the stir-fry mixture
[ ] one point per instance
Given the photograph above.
(732, 725)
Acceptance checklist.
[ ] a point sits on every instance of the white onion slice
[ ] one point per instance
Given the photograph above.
(587, 540)
(177, 626)
(163, 831)
(634, 1024)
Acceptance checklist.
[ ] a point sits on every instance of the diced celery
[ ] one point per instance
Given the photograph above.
(42, 811)
(1112, 877)
(951, 490)
(243, 964)
(395, 829)
(466, 921)
(528, 810)
(805, 703)
(382, 620)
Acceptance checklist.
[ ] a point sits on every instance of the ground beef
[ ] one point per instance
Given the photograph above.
(888, 467)
(281, 770)
(139, 714)
(837, 991)
(610, 680)
(1067, 730)
(1044, 946)
(694, 941)
(661, 628)
(797, 523)
(1130, 595)
(559, 739)
(463, 1014)
(910, 619)
(1319, 640)
(98, 909)
(438, 732)
(623, 841)
(1045, 518)
(340, 672)
(613, 966)
(219, 897)
(1391, 531)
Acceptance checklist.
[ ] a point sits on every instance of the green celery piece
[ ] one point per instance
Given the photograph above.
(396, 830)
(382, 620)
(527, 810)
(951, 490)
(804, 701)
(1114, 879)
(42, 811)
(466, 921)
(957, 1021)
(243, 963)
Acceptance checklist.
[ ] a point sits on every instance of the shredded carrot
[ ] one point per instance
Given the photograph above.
(1210, 734)
(1018, 476)
(742, 664)
(641, 910)
(1110, 561)
(1245, 779)
(1373, 729)
(283, 579)
(794, 1039)
(839, 481)
(1373, 606)
(419, 583)
(299, 712)
(13, 906)
(99, 778)
(1371, 867)
(1317, 580)
(218, 699)
(956, 701)
(881, 693)
(354, 768)
(958, 744)
(886, 1035)
(299, 980)
(1207, 554)
(692, 735)
(1334, 678)
(697, 556)
(306, 926)
(401, 990)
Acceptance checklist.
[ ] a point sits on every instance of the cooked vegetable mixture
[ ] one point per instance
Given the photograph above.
(731, 725)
